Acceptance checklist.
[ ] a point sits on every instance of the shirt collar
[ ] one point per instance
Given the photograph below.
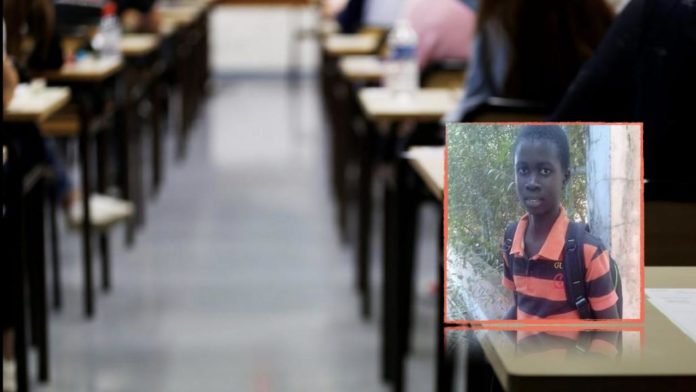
(553, 245)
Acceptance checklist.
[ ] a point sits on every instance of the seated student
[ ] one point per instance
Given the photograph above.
(348, 14)
(9, 367)
(532, 264)
(331, 8)
(643, 71)
(530, 50)
(375, 13)
(139, 15)
(47, 54)
(9, 74)
(445, 29)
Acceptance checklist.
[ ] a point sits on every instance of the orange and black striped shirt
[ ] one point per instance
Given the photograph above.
(538, 280)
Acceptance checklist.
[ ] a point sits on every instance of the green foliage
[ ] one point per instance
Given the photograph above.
(481, 191)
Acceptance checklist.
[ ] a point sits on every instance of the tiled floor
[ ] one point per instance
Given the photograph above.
(238, 282)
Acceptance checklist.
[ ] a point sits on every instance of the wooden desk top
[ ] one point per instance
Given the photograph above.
(351, 44)
(430, 104)
(27, 106)
(357, 68)
(667, 357)
(134, 45)
(429, 163)
(181, 15)
(86, 70)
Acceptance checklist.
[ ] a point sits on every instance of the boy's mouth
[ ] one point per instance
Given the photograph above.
(532, 203)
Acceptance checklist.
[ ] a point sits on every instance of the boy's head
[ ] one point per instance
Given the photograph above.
(541, 159)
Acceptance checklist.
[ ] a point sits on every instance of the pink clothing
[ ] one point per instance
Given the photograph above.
(445, 29)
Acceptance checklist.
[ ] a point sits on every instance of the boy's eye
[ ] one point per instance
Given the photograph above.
(522, 170)
(544, 171)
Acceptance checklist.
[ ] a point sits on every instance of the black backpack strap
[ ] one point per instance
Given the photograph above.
(507, 239)
(507, 245)
(574, 270)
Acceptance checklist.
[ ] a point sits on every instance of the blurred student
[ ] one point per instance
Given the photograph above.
(534, 253)
(644, 71)
(9, 367)
(368, 13)
(139, 15)
(9, 74)
(530, 49)
(47, 55)
(445, 29)
(331, 8)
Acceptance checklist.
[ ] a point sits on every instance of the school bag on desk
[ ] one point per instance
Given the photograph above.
(574, 269)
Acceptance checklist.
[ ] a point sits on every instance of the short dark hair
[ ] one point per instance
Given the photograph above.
(553, 134)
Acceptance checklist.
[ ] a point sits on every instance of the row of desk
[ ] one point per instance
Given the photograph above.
(373, 127)
(661, 357)
(96, 101)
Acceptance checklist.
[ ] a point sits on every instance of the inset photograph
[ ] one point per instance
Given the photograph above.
(544, 222)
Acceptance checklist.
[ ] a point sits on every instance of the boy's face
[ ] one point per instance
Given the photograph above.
(539, 176)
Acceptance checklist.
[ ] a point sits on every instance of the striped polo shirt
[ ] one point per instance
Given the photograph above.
(538, 280)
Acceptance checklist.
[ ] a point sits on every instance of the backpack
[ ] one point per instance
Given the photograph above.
(574, 269)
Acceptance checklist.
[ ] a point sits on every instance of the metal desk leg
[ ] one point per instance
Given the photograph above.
(36, 262)
(365, 218)
(87, 222)
(156, 141)
(102, 170)
(406, 215)
(55, 253)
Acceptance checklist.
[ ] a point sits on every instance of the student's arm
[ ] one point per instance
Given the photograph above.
(599, 284)
(9, 81)
(609, 313)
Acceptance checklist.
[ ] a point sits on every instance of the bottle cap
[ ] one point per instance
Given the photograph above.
(109, 9)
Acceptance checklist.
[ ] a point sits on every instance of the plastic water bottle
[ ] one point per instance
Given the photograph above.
(402, 73)
(108, 37)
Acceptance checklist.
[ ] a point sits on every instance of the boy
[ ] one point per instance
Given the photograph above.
(534, 272)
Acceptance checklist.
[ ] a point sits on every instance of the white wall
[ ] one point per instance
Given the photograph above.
(259, 39)
(614, 201)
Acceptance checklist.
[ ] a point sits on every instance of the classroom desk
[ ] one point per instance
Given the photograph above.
(35, 107)
(361, 68)
(379, 105)
(353, 72)
(338, 97)
(136, 45)
(666, 361)
(668, 358)
(89, 70)
(185, 28)
(351, 44)
(90, 80)
(429, 163)
(423, 105)
(27, 110)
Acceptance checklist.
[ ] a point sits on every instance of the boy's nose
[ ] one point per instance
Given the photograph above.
(532, 185)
